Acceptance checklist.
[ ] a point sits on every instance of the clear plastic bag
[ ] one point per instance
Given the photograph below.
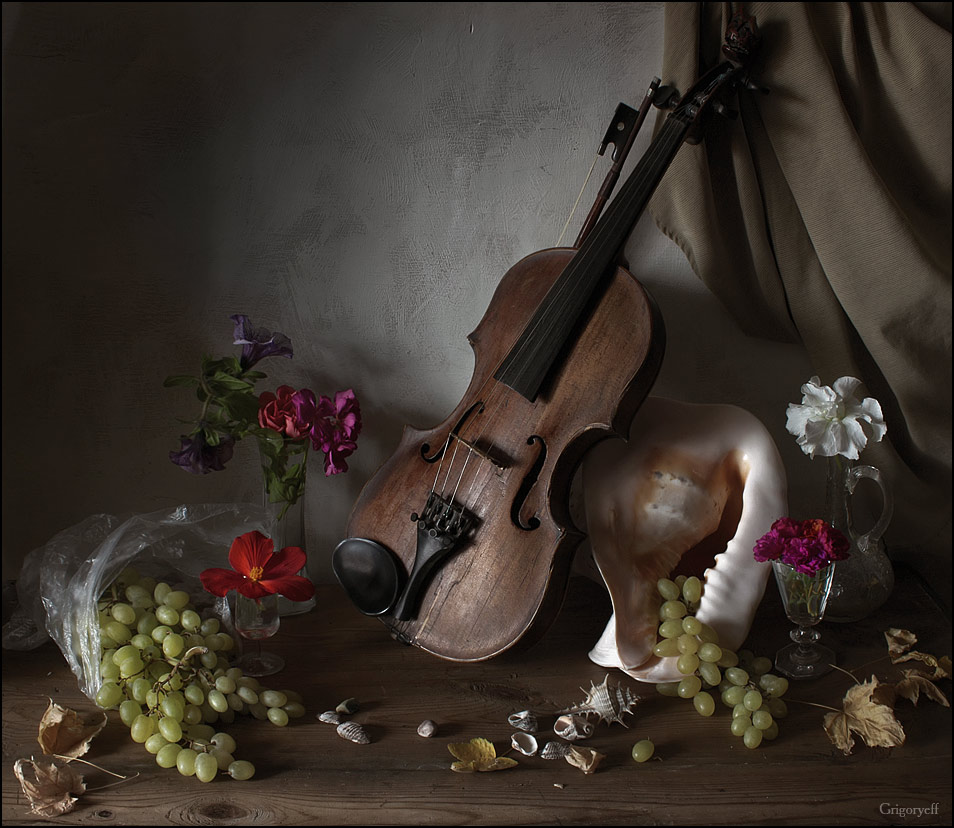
(60, 583)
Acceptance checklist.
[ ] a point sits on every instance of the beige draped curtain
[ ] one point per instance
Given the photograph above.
(825, 218)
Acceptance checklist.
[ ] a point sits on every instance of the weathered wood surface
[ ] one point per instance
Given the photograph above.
(701, 774)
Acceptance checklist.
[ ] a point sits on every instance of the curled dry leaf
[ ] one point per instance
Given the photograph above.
(586, 759)
(862, 714)
(478, 755)
(48, 786)
(63, 732)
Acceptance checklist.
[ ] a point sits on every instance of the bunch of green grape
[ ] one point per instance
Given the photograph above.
(166, 669)
(741, 680)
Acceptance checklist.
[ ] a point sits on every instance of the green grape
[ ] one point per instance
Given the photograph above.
(752, 700)
(691, 625)
(762, 719)
(672, 609)
(741, 724)
(704, 703)
(761, 665)
(688, 643)
(687, 663)
(295, 710)
(168, 755)
(206, 768)
(185, 761)
(173, 645)
(689, 686)
(752, 737)
(142, 728)
(692, 590)
(241, 770)
(190, 620)
(217, 701)
(668, 589)
(117, 632)
(170, 729)
(666, 648)
(128, 710)
(123, 613)
(671, 628)
(109, 695)
(668, 688)
(737, 675)
(710, 652)
(277, 716)
(273, 698)
(643, 750)
(710, 674)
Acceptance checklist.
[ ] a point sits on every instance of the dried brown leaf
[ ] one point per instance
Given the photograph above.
(914, 683)
(586, 759)
(48, 786)
(873, 722)
(899, 641)
(63, 732)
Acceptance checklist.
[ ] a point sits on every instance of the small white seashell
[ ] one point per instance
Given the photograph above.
(427, 728)
(524, 720)
(353, 732)
(525, 742)
(347, 707)
(572, 727)
(555, 750)
(330, 716)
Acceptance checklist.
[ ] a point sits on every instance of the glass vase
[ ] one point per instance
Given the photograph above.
(863, 581)
(284, 467)
(256, 619)
(804, 598)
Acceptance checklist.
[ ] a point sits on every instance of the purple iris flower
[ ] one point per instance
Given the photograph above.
(258, 343)
(199, 457)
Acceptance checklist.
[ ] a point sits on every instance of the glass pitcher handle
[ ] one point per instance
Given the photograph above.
(887, 510)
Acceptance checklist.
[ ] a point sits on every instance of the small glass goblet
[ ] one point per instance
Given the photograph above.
(255, 619)
(804, 598)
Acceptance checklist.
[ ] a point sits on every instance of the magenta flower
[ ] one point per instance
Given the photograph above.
(808, 546)
(258, 343)
(289, 412)
(198, 457)
(336, 428)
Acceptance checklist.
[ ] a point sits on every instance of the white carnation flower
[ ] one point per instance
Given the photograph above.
(829, 420)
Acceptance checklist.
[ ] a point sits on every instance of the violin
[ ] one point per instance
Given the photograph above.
(462, 541)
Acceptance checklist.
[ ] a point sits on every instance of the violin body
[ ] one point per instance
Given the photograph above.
(505, 582)
(462, 541)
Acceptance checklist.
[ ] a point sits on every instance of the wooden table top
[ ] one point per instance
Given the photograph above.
(700, 774)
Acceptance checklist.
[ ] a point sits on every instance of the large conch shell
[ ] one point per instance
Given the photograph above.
(692, 491)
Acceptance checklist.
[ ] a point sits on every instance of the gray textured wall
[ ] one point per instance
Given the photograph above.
(358, 176)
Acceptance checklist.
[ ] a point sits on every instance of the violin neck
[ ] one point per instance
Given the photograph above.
(526, 366)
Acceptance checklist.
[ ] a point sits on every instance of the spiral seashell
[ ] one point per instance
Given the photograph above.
(331, 717)
(524, 720)
(555, 750)
(572, 728)
(353, 732)
(525, 742)
(427, 728)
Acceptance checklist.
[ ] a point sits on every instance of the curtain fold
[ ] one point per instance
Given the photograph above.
(824, 217)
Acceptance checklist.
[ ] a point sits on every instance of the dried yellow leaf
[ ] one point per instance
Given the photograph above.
(873, 722)
(63, 732)
(48, 786)
(478, 755)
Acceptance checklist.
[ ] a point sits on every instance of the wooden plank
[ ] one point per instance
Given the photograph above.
(701, 774)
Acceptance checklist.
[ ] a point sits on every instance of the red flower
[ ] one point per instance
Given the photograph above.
(258, 570)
